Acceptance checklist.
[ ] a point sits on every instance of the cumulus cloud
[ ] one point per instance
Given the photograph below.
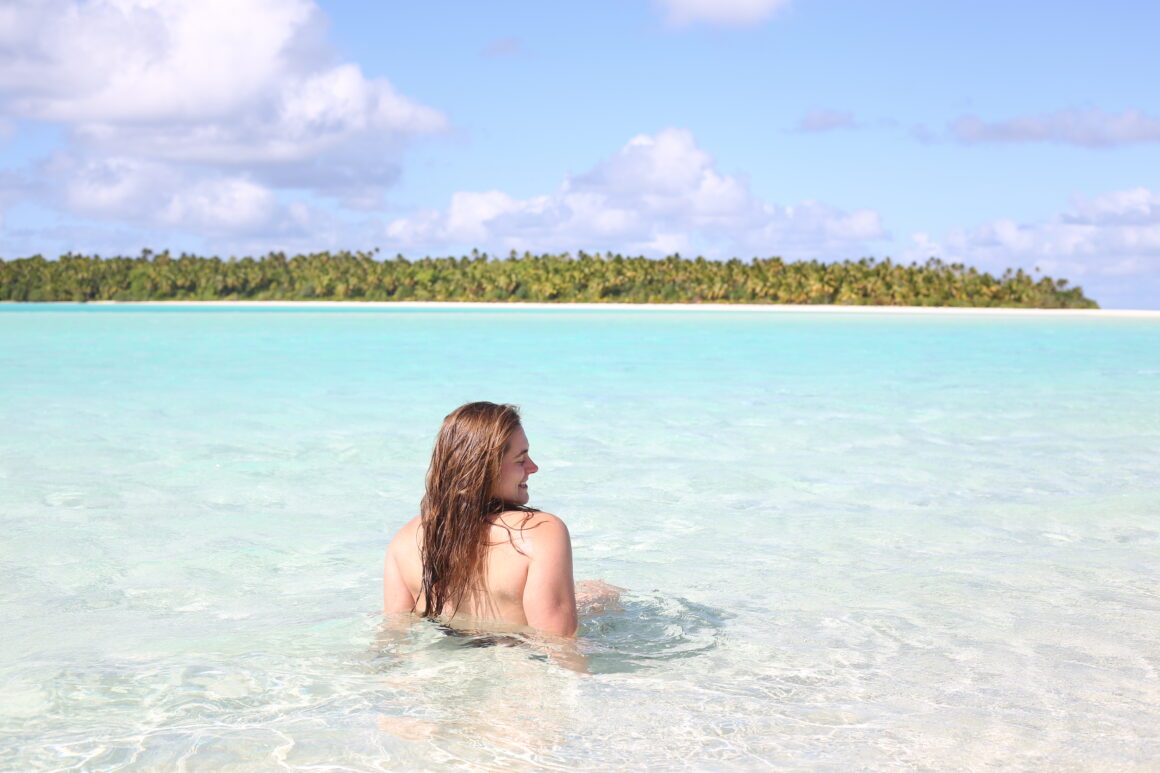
(658, 194)
(148, 193)
(206, 66)
(1087, 128)
(738, 13)
(1098, 242)
(823, 120)
(167, 105)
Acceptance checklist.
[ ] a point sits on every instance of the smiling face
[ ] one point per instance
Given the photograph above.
(512, 484)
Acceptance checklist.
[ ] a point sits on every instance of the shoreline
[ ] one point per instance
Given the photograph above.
(698, 307)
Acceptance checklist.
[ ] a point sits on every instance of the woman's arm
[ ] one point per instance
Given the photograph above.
(397, 596)
(549, 598)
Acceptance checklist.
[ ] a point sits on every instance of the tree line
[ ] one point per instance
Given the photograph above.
(607, 278)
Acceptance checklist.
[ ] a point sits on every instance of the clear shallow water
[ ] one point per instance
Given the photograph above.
(850, 541)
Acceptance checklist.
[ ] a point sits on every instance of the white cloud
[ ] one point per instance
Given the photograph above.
(106, 65)
(229, 205)
(237, 96)
(148, 193)
(1130, 208)
(110, 187)
(110, 61)
(1088, 128)
(822, 120)
(658, 194)
(1098, 242)
(723, 12)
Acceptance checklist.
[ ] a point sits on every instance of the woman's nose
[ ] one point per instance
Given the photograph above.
(532, 466)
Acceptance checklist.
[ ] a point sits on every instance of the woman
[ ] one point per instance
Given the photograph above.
(476, 550)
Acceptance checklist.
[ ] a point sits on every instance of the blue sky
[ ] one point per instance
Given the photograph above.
(994, 134)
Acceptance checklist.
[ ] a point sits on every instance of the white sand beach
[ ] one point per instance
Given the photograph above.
(698, 307)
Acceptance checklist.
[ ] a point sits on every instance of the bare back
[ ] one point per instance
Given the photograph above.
(528, 580)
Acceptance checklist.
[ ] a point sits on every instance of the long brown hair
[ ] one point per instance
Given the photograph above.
(458, 505)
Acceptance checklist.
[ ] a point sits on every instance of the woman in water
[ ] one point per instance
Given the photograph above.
(476, 550)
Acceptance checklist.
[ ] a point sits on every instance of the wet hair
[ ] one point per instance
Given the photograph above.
(459, 505)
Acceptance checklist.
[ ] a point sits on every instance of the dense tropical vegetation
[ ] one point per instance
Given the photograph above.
(361, 276)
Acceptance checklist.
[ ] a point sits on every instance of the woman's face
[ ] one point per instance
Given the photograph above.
(512, 484)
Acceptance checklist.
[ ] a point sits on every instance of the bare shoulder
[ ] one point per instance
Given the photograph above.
(528, 522)
(536, 532)
(541, 518)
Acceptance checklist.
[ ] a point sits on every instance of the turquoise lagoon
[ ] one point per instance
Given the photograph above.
(883, 542)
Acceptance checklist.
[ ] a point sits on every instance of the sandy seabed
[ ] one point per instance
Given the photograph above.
(701, 307)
